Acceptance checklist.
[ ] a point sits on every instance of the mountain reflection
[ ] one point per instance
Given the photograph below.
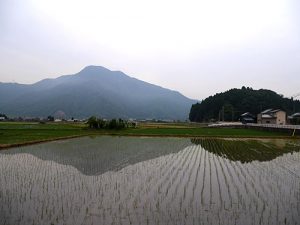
(48, 183)
(247, 151)
(97, 155)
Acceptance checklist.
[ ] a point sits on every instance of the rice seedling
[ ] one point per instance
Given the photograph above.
(130, 180)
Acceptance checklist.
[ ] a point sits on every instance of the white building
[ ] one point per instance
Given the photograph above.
(271, 116)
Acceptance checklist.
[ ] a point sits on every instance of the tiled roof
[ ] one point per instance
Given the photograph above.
(296, 114)
(266, 111)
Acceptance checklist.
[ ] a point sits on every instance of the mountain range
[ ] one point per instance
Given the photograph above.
(97, 91)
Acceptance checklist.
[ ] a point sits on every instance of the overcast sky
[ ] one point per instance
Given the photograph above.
(196, 47)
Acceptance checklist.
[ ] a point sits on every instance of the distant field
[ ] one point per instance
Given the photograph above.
(18, 132)
(35, 126)
(204, 131)
(12, 133)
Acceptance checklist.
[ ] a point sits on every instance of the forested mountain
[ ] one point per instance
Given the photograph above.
(231, 104)
(94, 91)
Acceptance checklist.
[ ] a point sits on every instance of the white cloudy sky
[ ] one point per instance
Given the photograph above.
(196, 47)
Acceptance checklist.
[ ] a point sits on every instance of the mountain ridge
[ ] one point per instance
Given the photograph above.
(95, 90)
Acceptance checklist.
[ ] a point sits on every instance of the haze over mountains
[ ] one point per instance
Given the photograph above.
(95, 90)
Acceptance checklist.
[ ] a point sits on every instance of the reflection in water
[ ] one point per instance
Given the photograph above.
(96, 155)
(248, 151)
(187, 186)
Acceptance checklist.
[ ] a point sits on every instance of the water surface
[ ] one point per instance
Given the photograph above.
(133, 180)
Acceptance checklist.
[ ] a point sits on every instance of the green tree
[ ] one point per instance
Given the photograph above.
(231, 104)
(50, 118)
(112, 124)
(92, 122)
(3, 115)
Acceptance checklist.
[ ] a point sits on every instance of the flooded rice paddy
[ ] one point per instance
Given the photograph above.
(133, 180)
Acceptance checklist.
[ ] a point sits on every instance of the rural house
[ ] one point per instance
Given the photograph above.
(271, 116)
(247, 118)
(294, 119)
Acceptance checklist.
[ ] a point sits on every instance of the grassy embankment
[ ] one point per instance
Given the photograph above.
(14, 133)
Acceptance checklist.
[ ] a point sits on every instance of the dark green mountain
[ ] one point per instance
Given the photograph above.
(93, 91)
(234, 102)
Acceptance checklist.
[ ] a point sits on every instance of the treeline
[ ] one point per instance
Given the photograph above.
(229, 105)
(3, 115)
(99, 123)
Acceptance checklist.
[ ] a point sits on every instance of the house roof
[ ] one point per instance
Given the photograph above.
(276, 110)
(296, 114)
(266, 111)
(270, 111)
(246, 114)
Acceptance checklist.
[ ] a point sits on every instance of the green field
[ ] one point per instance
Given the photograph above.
(204, 131)
(18, 133)
(14, 133)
